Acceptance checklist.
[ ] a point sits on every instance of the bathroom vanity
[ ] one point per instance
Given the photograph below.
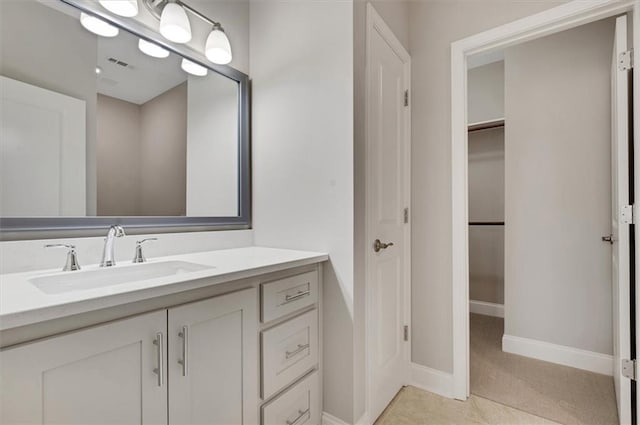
(234, 338)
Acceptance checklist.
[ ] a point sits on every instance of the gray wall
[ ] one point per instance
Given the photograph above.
(434, 25)
(485, 88)
(486, 203)
(118, 161)
(558, 196)
(27, 48)
(163, 154)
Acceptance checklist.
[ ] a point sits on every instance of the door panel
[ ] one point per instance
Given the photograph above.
(387, 197)
(102, 375)
(620, 232)
(213, 370)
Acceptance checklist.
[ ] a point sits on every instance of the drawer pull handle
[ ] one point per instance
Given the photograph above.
(290, 298)
(185, 349)
(298, 350)
(159, 343)
(301, 414)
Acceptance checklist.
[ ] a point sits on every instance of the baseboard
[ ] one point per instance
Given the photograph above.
(559, 354)
(487, 309)
(432, 380)
(329, 419)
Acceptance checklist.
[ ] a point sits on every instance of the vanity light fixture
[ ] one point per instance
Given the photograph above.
(152, 49)
(174, 23)
(218, 48)
(193, 68)
(98, 26)
(126, 8)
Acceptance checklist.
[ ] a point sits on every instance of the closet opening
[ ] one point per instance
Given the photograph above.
(549, 250)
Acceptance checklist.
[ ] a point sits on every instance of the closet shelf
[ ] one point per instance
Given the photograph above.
(486, 223)
(486, 125)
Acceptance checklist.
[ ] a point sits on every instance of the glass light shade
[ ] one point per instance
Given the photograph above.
(98, 26)
(152, 49)
(193, 68)
(174, 24)
(126, 8)
(218, 48)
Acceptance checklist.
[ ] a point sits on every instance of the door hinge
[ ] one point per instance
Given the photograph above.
(406, 98)
(406, 332)
(628, 368)
(626, 214)
(406, 215)
(625, 61)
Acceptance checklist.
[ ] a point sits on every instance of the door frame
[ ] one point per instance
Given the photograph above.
(554, 20)
(374, 22)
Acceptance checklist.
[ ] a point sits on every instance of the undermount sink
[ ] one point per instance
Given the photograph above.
(111, 276)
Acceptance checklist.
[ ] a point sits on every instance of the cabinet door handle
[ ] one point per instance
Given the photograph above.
(159, 343)
(185, 350)
(289, 298)
(300, 348)
(301, 414)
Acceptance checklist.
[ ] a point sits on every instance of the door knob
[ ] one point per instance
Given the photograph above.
(608, 238)
(377, 245)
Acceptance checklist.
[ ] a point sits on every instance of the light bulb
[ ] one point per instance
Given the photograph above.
(174, 24)
(152, 49)
(126, 8)
(98, 26)
(194, 68)
(218, 48)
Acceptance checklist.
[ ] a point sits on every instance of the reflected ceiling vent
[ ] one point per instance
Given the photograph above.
(119, 62)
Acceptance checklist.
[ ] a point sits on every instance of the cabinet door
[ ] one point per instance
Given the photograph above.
(101, 375)
(213, 361)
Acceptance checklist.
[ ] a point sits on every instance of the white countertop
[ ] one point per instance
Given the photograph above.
(22, 303)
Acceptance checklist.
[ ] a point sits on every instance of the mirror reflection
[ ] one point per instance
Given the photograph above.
(109, 126)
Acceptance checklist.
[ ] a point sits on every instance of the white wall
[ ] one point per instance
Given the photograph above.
(434, 25)
(302, 117)
(558, 188)
(485, 92)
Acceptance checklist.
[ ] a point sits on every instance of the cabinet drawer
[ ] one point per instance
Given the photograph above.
(288, 351)
(300, 405)
(287, 295)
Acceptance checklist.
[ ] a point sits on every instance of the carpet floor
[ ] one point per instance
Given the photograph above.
(559, 393)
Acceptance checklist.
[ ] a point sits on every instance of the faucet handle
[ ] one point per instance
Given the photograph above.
(72, 257)
(139, 257)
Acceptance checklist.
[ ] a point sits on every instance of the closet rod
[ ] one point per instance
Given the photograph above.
(486, 125)
(486, 223)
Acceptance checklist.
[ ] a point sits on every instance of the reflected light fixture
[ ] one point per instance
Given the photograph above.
(193, 68)
(126, 8)
(152, 49)
(175, 26)
(174, 23)
(218, 48)
(98, 26)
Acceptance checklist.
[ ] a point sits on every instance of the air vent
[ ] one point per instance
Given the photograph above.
(119, 62)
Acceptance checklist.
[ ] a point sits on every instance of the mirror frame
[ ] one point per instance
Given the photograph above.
(15, 228)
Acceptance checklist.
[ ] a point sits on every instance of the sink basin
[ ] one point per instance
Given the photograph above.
(111, 276)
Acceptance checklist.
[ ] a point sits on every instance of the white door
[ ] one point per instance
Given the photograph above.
(102, 375)
(620, 231)
(213, 361)
(46, 130)
(388, 66)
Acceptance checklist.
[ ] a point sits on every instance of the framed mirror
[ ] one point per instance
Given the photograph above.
(121, 129)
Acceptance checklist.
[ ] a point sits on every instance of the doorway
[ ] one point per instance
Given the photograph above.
(534, 27)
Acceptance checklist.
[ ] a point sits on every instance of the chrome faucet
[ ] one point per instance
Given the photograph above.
(115, 231)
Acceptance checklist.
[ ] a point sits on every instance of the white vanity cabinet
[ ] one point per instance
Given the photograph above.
(103, 374)
(206, 352)
(213, 366)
